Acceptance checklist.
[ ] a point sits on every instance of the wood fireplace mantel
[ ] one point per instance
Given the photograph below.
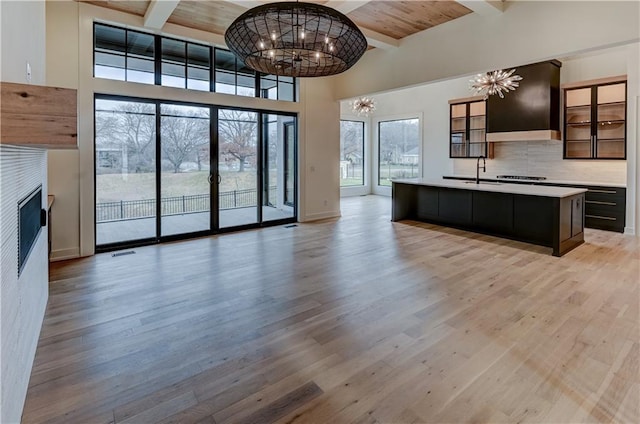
(38, 116)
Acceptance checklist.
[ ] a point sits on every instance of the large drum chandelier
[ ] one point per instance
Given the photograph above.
(296, 39)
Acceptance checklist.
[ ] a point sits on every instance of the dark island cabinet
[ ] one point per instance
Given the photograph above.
(604, 206)
(556, 222)
(455, 206)
(493, 212)
(595, 121)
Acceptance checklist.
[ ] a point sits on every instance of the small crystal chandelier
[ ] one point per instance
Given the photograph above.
(496, 82)
(363, 106)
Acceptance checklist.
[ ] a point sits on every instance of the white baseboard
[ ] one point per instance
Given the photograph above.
(64, 254)
(629, 231)
(320, 215)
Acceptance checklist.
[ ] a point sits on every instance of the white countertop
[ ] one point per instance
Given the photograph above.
(530, 190)
(568, 182)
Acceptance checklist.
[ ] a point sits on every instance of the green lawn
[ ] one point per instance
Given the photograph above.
(348, 182)
(116, 187)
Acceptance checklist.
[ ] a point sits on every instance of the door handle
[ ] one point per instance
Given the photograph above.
(210, 178)
(219, 178)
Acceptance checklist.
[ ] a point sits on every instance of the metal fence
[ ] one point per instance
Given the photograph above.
(133, 209)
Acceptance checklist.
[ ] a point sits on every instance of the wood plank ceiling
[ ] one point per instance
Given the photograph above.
(135, 7)
(399, 19)
(394, 19)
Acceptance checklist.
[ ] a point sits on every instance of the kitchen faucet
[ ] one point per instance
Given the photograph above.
(484, 168)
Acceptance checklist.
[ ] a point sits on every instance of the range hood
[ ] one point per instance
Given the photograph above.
(532, 111)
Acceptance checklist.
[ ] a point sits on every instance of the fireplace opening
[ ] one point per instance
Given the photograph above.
(30, 221)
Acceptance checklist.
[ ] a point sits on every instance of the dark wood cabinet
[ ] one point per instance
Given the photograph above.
(604, 206)
(493, 212)
(454, 206)
(595, 121)
(427, 203)
(548, 221)
(467, 134)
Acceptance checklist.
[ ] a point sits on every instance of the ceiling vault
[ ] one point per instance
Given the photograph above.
(158, 12)
(484, 7)
(346, 6)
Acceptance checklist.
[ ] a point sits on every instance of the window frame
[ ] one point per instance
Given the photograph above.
(363, 183)
(375, 160)
(214, 151)
(158, 62)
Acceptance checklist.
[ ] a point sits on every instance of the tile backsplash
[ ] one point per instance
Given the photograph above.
(544, 159)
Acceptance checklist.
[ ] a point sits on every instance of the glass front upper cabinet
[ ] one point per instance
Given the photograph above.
(468, 129)
(595, 121)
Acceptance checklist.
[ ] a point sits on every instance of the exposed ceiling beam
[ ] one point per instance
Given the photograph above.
(484, 7)
(346, 6)
(158, 12)
(248, 4)
(381, 41)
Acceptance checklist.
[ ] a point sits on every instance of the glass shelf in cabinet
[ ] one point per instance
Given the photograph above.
(620, 103)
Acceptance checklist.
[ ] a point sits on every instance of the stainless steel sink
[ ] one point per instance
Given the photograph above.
(483, 182)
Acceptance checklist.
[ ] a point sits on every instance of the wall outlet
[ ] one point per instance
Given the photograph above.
(28, 72)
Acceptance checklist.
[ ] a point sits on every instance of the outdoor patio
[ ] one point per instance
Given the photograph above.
(142, 228)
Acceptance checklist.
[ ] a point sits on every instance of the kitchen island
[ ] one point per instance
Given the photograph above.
(542, 215)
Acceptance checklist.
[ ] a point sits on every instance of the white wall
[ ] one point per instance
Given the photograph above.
(72, 173)
(64, 171)
(320, 151)
(22, 300)
(22, 34)
(527, 32)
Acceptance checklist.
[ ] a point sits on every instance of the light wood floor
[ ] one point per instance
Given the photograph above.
(352, 320)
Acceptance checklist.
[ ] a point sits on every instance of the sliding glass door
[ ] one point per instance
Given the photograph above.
(168, 170)
(237, 167)
(278, 188)
(125, 166)
(185, 154)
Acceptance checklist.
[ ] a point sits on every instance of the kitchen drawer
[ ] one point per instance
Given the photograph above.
(603, 222)
(606, 208)
(604, 211)
(606, 195)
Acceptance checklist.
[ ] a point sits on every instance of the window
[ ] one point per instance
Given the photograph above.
(351, 153)
(185, 65)
(277, 88)
(124, 55)
(127, 55)
(398, 150)
(232, 77)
